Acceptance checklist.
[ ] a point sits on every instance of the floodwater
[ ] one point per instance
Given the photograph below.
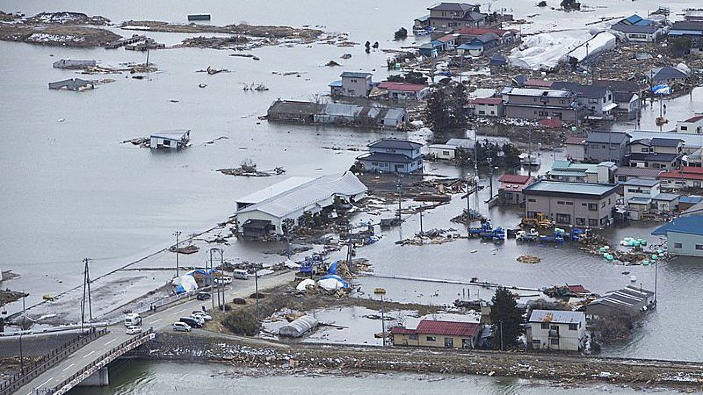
(70, 190)
(141, 377)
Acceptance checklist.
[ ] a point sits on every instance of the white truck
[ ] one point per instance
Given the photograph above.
(132, 319)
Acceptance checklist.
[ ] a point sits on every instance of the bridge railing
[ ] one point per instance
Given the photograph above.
(100, 362)
(47, 361)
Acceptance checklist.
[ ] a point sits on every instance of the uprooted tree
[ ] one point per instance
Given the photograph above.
(506, 318)
(615, 327)
(445, 108)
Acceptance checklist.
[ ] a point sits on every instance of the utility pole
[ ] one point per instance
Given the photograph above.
(380, 292)
(24, 317)
(216, 281)
(421, 210)
(86, 285)
(656, 273)
(468, 202)
(400, 199)
(529, 152)
(490, 178)
(256, 282)
(222, 265)
(177, 234)
(212, 282)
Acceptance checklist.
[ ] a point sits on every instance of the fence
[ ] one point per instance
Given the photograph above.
(101, 362)
(47, 361)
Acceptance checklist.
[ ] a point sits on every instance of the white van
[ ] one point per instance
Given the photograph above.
(132, 319)
(240, 274)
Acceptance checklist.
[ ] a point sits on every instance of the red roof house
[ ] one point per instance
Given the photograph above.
(436, 333)
(688, 176)
(511, 186)
(404, 90)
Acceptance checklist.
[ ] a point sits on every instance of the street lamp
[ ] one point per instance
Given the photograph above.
(380, 292)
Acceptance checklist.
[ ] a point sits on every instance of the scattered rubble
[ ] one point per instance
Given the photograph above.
(9, 296)
(214, 42)
(248, 169)
(211, 71)
(529, 259)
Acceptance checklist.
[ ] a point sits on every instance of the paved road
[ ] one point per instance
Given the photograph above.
(160, 321)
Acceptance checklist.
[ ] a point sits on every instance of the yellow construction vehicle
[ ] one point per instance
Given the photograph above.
(540, 220)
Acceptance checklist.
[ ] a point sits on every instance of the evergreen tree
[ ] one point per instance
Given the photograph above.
(506, 316)
(445, 108)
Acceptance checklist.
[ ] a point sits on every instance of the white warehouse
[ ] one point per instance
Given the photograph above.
(263, 213)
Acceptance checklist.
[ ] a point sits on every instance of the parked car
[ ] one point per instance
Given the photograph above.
(204, 315)
(132, 319)
(181, 327)
(203, 296)
(191, 321)
(134, 330)
(198, 318)
(223, 280)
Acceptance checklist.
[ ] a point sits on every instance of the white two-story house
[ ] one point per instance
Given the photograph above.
(638, 193)
(556, 330)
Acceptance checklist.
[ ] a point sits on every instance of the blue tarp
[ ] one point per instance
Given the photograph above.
(333, 268)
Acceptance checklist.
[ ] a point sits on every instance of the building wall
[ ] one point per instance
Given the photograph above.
(576, 152)
(356, 87)
(391, 167)
(599, 152)
(565, 114)
(422, 341)
(442, 153)
(684, 244)
(690, 127)
(573, 207)
(672, 184)
(630, 191)
(488, 110)
(568, 339)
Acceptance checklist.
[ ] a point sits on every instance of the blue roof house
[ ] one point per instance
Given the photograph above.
(392, 156)
(684, 234)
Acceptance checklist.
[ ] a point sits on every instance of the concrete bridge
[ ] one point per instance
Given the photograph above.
(84, 362)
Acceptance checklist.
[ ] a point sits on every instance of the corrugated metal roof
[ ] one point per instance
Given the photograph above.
(395, 144)
(354, 74)
(689, 224)
(309, 194)
(539, 92)
(570, 188)
(449, 328)
(273, 190)
(557, 316)
(175, 134)
(641, 182)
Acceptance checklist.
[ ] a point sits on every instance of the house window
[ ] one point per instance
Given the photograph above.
(531, 214)
(580, 221)
(569, 203)
(445, 153)
(166, 143)
(412, 336)
(431, 338)
(532, 200)
(573, 327)
(602, 205)
(678, 245)
(563, 218)
(448, 342)
(592, 222)
(560, 202)
(554, 341)
(545, 325)
(593, 206)
(699, 247)
(684, 127)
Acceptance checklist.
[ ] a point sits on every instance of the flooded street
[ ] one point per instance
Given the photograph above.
(71, 189)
